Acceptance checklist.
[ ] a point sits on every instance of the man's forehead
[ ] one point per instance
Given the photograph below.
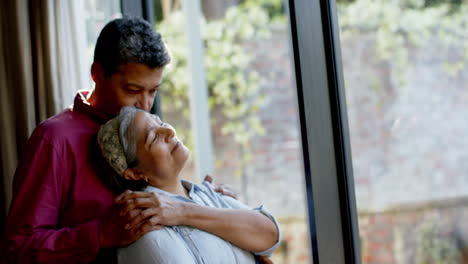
(137, 69)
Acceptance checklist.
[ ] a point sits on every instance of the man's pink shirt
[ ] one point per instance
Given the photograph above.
(58, 197)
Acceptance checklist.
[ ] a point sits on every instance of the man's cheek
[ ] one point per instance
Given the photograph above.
(127, 100)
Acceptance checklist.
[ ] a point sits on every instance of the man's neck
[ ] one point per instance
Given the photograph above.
(91, 98)
(94, 101)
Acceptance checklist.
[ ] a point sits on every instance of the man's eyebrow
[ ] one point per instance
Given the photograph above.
(142, 87)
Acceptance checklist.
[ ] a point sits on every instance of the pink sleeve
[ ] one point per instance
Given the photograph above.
(33, 233)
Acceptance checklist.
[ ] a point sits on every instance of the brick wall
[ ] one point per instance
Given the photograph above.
(413, 232)
(407, 144)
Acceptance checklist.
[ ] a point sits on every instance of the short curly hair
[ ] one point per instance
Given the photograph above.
(129, 40)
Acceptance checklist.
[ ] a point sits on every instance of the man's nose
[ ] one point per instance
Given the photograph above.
(145, 101)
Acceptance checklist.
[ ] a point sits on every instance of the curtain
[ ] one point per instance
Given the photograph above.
(42, 65)
(17, 93)
(59, 41)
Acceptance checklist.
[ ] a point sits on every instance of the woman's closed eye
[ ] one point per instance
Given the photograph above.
(151, 136)
(154, 137)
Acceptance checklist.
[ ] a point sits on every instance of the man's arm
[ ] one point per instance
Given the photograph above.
(40, 193)
(245, 228)
(32, 234)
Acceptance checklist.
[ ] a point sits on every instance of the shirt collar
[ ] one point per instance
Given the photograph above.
(188, 185)
(82, 106)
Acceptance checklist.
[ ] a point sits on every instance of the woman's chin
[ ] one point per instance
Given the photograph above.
(182, 155)
(185, 150)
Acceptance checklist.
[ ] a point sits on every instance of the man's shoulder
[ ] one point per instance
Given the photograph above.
(64, 125)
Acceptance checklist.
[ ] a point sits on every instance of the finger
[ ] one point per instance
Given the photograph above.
(225, 190)
(218, 187)
(138, 232)
(133, 213)
(149, 225)
(208, 178)
(133, 195)
(264, 260)
(229, 193)
(119, 198)
(142, 217)
(149, 228)
(140, 203)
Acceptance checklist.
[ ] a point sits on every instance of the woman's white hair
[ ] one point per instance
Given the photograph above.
(127, 134)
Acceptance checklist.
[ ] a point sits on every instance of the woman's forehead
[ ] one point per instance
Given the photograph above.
(145, 121)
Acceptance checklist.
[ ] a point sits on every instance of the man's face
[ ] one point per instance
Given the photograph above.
(134, 84)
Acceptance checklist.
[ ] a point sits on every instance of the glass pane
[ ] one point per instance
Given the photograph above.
(253, 112)
(97, 14)
(406, 82)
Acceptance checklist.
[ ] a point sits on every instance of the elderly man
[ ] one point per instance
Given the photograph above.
(61, 211)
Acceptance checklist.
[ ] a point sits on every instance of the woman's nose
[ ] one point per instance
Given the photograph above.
(167, 132)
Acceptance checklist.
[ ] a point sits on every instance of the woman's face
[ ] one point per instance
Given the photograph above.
(160, 154)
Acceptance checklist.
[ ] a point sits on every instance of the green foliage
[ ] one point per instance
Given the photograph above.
(400, 25)
(454, 4)
(234, 86)
(274, 8)
(435, 247)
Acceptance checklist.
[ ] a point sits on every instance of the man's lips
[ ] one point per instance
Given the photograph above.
(175, 147)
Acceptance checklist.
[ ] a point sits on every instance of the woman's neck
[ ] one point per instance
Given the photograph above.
(175, 187)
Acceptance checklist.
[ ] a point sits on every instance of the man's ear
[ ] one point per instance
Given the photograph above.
(132, 174)
(97, 72)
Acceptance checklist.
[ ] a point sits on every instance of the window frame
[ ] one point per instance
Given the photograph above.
(328, 171)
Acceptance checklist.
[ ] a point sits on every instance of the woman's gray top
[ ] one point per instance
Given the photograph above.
(187, 245)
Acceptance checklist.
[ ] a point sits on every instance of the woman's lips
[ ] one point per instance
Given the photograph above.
(175, 147)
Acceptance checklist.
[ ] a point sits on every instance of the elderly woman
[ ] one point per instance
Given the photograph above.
(146, 155)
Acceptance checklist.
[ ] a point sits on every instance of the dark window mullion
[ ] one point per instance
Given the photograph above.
(341, 132)
(325, 139)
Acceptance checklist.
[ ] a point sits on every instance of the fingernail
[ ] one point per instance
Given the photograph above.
(127, 226)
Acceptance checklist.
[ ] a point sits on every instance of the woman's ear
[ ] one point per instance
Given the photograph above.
(133, 174)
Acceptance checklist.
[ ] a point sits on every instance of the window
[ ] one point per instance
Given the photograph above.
(96, 14)
(405, 75)
(254, 122)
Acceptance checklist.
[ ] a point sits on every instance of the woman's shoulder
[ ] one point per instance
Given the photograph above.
(158, 246)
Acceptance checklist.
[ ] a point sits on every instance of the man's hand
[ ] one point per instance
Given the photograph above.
(221, 188)
(114, 231)
(152, 210)
(135, 214)
(264, 260)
